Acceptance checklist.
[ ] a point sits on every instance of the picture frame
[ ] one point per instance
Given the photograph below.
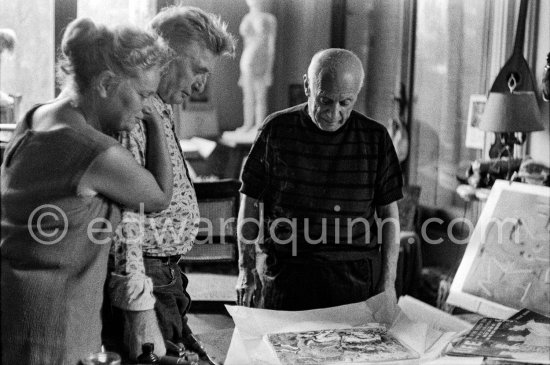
(506, 265)
(475, 137)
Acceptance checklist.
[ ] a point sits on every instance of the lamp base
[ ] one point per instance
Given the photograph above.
(504, 143)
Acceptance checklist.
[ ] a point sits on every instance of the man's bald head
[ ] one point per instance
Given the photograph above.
(332, 84)
(334, 63)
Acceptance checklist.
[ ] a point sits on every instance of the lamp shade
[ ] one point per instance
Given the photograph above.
(511, 112)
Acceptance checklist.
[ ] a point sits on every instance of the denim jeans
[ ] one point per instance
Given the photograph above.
(172, 299)
(171, 305)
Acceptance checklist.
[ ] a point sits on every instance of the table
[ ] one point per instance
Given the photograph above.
(216, 343)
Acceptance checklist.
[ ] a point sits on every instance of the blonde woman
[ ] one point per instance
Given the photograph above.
(63, 178)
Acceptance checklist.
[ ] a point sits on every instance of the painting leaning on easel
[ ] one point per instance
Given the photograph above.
(506, 266)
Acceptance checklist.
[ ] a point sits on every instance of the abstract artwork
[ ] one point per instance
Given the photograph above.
(506, 266)
(357, 345)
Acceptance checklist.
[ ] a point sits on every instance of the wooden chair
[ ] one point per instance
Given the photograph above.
(216, 242)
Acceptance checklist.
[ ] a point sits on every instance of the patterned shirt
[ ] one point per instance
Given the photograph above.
(166, 233)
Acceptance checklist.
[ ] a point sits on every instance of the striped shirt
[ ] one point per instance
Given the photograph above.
(321, 188)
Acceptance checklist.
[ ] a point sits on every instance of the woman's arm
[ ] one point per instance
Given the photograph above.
(117, 175)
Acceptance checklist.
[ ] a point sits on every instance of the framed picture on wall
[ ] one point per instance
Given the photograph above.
(475, 137)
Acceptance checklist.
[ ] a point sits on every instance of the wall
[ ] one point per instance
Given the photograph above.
(226, 94)
(138, 12)
(29, 70)
(384, 57)
(303, 27)
(539, 144)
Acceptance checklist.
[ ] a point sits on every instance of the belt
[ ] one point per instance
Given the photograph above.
(164, 259)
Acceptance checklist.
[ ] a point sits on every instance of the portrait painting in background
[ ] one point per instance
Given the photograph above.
(475, 137)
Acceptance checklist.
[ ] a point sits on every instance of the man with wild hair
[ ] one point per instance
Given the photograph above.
(146, 286)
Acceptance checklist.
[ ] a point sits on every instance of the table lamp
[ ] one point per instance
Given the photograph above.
(508, 113)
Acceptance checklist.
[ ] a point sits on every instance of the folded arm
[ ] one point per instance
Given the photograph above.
(116, 174)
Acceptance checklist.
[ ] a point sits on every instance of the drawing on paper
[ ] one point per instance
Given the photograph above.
(508, 255)
(339, 346)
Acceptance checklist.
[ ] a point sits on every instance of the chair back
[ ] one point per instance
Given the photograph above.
(217, 237)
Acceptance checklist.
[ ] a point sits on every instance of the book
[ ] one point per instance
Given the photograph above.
(506, 339)
(526, 315)
(357, 345)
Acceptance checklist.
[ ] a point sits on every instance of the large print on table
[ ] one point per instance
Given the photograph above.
(506, 265)
(358, 345)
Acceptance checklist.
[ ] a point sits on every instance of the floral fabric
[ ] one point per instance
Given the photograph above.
(166, 233)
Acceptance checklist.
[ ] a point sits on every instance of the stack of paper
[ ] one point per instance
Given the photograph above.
(428, 338)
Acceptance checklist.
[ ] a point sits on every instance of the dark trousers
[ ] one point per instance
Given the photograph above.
(171, 306)
(172, 299)
(310, 283)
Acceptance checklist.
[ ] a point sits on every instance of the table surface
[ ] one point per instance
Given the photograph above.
(217, 343)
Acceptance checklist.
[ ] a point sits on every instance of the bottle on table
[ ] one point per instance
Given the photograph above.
(148, 355)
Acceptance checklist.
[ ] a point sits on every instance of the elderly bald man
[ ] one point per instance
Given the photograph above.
(317, 177)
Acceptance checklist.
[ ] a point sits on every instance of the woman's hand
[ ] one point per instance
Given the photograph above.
(150, 114)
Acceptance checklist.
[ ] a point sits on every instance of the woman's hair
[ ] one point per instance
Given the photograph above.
(88, 49)
(181, 25)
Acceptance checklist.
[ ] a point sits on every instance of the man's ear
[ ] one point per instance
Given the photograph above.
(306, 85)
(105, 83)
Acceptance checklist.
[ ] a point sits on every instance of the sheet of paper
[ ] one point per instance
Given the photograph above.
(253, 324)
(410, 332)
(236, 354)
(421, 312)
(453, 360)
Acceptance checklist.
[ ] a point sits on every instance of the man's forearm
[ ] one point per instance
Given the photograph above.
(247, 232)
(390, 254)
(389, 216)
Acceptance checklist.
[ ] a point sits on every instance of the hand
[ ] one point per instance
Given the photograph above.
(245, 296)
(141, 327)
(150, 114)
(245, 287)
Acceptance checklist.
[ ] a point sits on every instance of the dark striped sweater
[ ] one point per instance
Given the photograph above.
(326, 184)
